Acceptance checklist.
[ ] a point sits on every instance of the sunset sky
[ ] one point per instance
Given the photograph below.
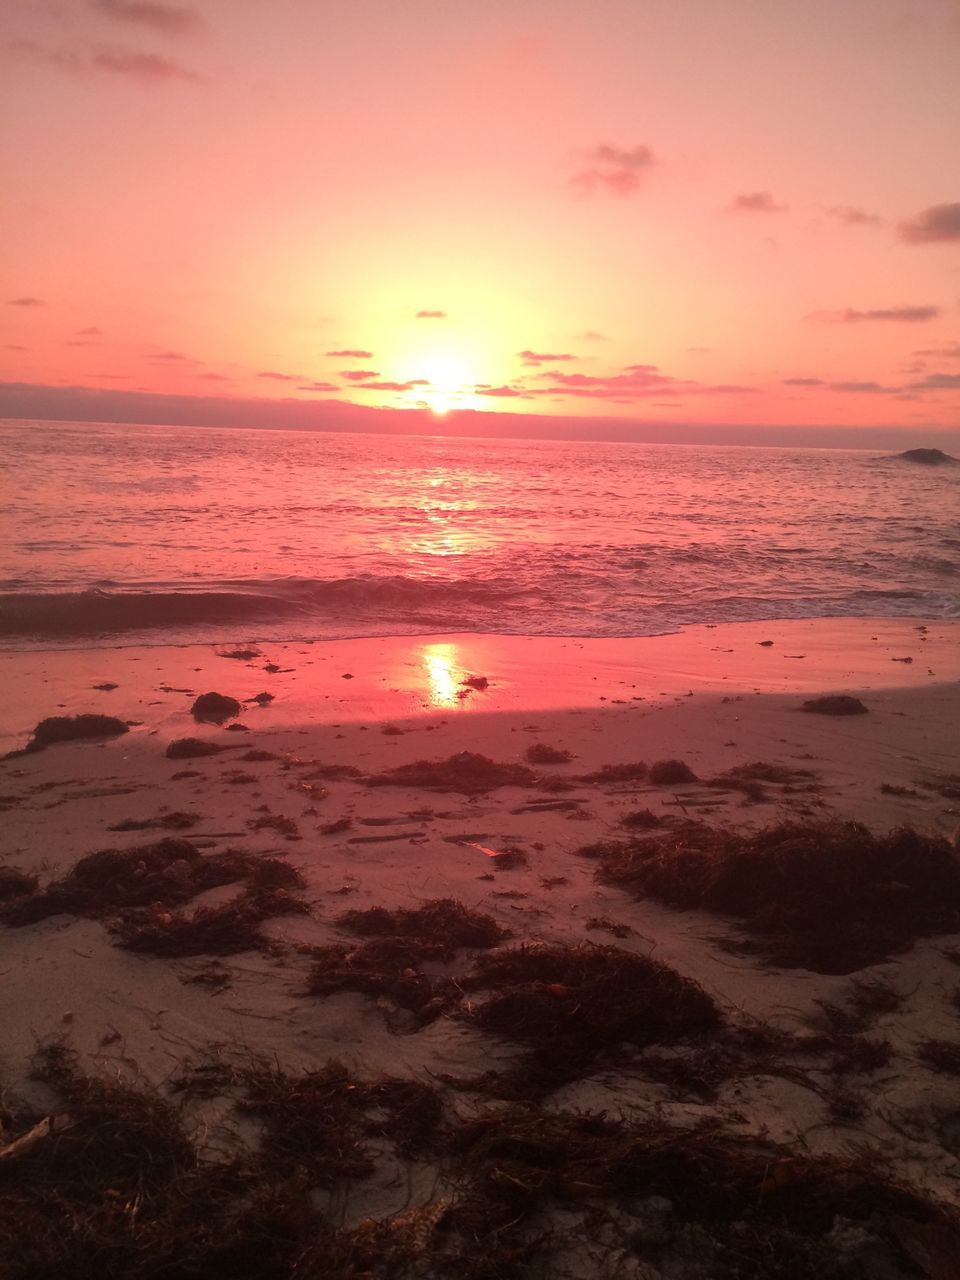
(708, 211)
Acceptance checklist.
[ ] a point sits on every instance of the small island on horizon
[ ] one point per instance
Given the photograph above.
(927, 457)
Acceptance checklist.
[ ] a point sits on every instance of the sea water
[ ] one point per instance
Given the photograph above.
(115, 534)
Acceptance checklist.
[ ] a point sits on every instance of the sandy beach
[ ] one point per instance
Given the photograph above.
(714, 698)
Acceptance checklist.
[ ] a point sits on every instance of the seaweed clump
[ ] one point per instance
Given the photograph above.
(224, 930)
(165, 874)
(749, 778)
(835, 704)
(71, 729)
(115, 1186)
(571, 1005)
(465, 772)
(543, 753)
(444, 921)
(215, 708)
(671, 773)
(831, 897)
(694, 1202)
(634, 772)
(401, 941)
(191, 749)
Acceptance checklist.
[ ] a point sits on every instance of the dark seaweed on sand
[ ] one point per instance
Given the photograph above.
(543, 753)
(389, 967)
(835, 704)
(165, 874)
(215, 708)
(15, 884)
(442, 921)
(401, 941)
(671, 773)
(466, 772)
(122, 1191)
(696, 1202)
(572, 1005)
(831, 897)
(750, 779)
(119, 1187)
(71, 729)
(224, 930)
(634, 772)
(191, 749)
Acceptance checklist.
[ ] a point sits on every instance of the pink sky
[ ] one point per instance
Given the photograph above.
(709, 211)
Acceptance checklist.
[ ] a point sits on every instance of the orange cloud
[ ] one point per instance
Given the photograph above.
(941, 222)
(905, 315)
(152, 68)
(617, 170)
(543, 357)
(756, 202)
(854, 216)
(167, 18)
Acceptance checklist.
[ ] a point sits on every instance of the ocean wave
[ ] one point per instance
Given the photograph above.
(100, 612)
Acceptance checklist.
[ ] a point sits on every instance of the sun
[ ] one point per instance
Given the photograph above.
(451, 378)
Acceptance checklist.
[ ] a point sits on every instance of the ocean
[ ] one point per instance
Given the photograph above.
(118, 535)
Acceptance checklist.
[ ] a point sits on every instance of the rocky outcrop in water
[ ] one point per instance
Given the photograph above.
(927, 457)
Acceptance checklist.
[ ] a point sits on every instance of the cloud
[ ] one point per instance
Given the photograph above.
(502, 392)
(937, 382)
(91, 332)
(172, 357)
(30, 50)
(851, 387)
(214, 377)
(359, 375)
(352, 354)
(950, 352)
(543, 357)
(616, 170)
(591, 335)
(14, 346)
(151, 68)
(700, 351)
(756, 202)
(634, 382)
(167, 18)
(941, 222)
(25, 302)
(318, 386)
(905, 315)
(870, 387)
(280, 377)
(431, 315)
(854, 216)
(394, 386)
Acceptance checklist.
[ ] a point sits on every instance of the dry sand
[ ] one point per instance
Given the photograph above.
(714, 697)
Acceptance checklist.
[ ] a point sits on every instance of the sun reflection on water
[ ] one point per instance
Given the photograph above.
(440, 661)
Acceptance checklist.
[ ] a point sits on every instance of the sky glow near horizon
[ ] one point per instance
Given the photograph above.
(745, 211)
